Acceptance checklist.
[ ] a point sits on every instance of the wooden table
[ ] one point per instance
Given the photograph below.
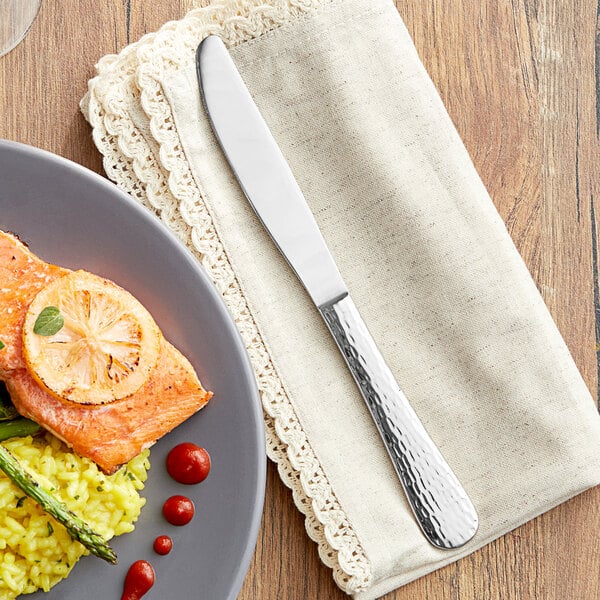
(521, 80)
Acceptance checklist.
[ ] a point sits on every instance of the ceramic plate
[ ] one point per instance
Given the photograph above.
(74, 218)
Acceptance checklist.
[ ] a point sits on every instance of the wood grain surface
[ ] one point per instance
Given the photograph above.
(521, 80)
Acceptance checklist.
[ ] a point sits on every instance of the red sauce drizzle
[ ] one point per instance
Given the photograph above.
(178, 510)
(163, 544)
(139, 579)
(188, 463)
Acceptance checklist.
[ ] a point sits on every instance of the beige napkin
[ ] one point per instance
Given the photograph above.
(419, 243)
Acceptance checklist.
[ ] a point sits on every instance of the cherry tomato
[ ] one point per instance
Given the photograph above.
(139, 579)
(163, 544)
(178, 510)
(188, 463)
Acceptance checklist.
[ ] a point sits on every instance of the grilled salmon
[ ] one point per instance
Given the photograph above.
(22, 276)
(109, 434)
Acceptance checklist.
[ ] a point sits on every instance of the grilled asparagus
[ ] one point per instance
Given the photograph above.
(77, 528)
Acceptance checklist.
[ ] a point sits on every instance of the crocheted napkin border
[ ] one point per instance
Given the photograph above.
(133, 128)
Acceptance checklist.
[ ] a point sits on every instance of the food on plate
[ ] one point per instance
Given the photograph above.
(139, 580)
(77, 528)
(7, 411)
(163, 544)
(178, 510)
(96, 344)
(82, 359)
(17, 428)
(36, 552)
(188, 463)
(145, 386)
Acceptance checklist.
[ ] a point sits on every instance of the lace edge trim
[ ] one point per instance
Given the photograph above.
(166, 184)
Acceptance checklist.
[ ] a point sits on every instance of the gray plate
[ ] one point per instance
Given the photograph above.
(73, 217)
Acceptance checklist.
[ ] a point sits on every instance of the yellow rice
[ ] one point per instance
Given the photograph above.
(36, 551)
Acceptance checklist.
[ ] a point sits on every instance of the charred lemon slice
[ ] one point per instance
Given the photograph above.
(87, 340)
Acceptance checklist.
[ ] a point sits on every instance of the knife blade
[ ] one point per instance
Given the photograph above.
(439, 502)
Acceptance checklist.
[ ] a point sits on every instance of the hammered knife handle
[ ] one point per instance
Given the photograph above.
(440, 504)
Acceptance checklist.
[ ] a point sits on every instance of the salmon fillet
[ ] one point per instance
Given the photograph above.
(22, 276)
(109, 434)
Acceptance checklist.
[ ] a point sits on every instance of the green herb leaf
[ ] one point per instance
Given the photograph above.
(20, 501)
(49, 321)
(2, 345)
(50, 528)
(7, 410)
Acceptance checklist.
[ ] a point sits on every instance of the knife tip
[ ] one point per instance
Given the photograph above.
(209, 42)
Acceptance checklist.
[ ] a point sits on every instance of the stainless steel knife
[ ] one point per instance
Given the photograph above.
(440, 504)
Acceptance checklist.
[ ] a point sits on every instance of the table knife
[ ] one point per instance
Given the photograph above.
(439, 502)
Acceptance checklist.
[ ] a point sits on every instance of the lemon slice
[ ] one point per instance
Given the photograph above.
(106, 345)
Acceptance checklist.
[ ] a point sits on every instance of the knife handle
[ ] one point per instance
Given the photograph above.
(440, 504)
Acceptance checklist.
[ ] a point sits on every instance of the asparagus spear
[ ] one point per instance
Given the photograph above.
(77, 528)
(17, 428)
(11, 422)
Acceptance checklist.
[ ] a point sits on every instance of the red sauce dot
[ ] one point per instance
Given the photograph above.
(178, 510)
(163, 544)
(188, 463)
(139, 579)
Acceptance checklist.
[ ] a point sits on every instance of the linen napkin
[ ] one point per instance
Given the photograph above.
(425, 254)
